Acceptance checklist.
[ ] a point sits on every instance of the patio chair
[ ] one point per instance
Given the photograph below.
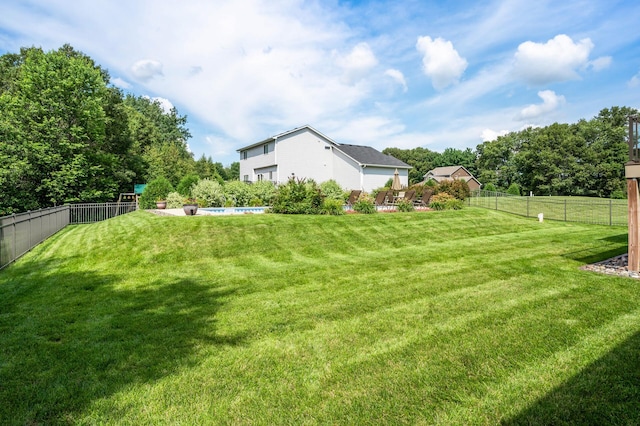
(353, 197)
(391, 198)
(381, 198)
(426, 196)
(410, 196)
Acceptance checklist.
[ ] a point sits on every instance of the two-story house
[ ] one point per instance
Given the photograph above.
(306, 153)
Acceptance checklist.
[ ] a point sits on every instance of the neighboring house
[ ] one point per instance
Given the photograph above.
(453, 172)
(306, 153)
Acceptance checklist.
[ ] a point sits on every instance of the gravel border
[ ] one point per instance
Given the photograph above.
(615, 266)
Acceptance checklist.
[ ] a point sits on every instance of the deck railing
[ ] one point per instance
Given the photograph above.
(634, 139)
(19, 233)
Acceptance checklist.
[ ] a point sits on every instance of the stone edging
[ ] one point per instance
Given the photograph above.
(615, 266)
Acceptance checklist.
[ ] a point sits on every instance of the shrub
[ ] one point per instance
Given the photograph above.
(431, 183)
(156, 190)
(186, 183)
(514, 189)
(333, 207)
(405, 206)
(618, 194)
(364, 205)
(208, 193)
(298, 197)
(174, 200)
(262, 193)
(237, 193)
(332, 190)
(454, 204)
(457, 188)
(490, 187)
(443, 201)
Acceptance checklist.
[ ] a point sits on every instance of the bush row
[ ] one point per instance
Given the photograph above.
(297, 196)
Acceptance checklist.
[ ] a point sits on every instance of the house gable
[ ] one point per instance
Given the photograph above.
(440, 174)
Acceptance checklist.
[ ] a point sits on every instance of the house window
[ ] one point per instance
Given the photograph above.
(246, 178)
(244, 155)
(266, 148)
(260, 177)
(271, 175)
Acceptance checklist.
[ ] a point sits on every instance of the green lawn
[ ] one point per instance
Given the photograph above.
(454, 317)
(592, 210)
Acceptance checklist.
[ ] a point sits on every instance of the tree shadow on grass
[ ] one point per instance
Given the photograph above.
(597, 254)
(67, 339)
(604, 393)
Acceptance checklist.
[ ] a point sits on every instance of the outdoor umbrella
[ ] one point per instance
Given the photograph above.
(396, 185)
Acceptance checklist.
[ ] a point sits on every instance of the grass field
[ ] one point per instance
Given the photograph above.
(602, 211)
(454, 317)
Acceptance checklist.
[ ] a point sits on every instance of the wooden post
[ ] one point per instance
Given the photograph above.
(634, 254)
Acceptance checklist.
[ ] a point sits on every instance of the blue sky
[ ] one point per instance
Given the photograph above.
(404, 74)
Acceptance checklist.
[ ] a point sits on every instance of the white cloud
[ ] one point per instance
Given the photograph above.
(146, 69)
(441, 62)
(398, 77)
(372, 130)
(601, 63)
(556, 60)
(358, 62)
(243, 70)
(195, 70)
(550, 102)
(491, 135)
(219, 147)
(118, 82)
(165, 104)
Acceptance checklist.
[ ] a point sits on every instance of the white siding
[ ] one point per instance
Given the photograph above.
(346, 171)
(303, 155)
(376, 177)
(256, 160)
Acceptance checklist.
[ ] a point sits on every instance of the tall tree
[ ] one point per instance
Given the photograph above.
(420, 159)
(160, 147)
(585, 158)
(54, 125)
(233, 171)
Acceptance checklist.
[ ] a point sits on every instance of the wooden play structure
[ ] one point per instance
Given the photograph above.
(632, 174)
(131, 197)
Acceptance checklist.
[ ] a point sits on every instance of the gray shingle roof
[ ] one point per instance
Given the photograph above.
(371, 156)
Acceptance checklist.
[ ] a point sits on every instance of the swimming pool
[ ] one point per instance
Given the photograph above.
(234, 210)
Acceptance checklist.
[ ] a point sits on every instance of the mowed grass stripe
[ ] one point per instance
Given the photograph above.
(390, 318)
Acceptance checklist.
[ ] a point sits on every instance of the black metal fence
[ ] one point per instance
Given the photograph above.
(569, 209)
(19, 233)
(96, 212)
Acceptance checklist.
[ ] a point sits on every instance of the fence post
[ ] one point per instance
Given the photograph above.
(496, 201)
(527, 206)
(15, 241)
(610, 212)
(565, 209)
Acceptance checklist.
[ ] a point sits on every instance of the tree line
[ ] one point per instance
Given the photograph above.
(585, 158)
(68, 135)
